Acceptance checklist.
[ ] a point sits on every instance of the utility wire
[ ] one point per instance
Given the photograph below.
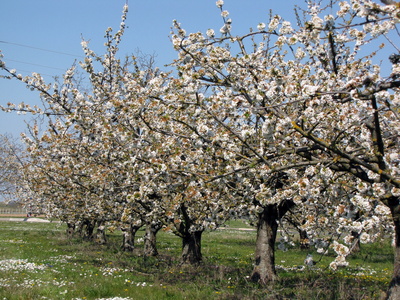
(42, 74)
(41, 49)
(22, 62)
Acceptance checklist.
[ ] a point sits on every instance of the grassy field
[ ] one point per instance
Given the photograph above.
(38, 262)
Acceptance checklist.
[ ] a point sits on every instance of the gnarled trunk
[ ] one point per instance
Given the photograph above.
(100, 236)
(304, 240)
(150, 239)
(128, 237)
(86, 228)
(191, 240)
(191, 248)
(267, 227)
(70, 229)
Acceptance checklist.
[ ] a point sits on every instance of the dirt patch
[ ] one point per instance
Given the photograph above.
(12, 215)
(20, 215)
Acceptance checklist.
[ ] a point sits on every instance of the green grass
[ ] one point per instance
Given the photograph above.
(38, 262)
(237, 223)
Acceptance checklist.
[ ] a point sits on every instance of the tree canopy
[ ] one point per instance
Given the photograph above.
(298, 117)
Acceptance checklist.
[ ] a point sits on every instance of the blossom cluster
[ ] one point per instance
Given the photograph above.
(293, 122)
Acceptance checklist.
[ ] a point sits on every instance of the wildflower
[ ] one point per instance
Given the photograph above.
(219, 3)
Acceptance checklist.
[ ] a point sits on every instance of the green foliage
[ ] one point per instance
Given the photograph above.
(38, 262)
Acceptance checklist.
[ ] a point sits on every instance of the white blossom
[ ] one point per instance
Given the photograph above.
(261, 26)
(219, 3)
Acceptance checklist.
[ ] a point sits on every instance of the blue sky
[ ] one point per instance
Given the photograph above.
(44, 36)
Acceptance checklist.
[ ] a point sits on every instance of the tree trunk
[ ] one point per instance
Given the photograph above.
(88, 233)
(100, 237)
(70, 229)
(394, 287)
(303, 235)
(79, 228)
(267, 227)
(128, 237)
(355, 247)
(191, 248)
(304, 240)
(150, 240)
(85, 229)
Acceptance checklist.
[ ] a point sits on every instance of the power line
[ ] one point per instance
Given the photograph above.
(41, 49)
(42, 74)
(22, 62)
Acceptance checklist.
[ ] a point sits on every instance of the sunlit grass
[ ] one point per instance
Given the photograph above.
(38, 262)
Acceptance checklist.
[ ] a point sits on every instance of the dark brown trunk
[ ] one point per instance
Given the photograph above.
(70, 230)
(304, 240)
(150, 240)
(85, 229)
(191, 240)
(128, 237)
(89, 229)
(191, 248)
(267, 227)
(394, 287)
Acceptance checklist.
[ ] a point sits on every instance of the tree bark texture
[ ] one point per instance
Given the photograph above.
(128, 237)
(70, 229)
(304, 240)
(191, 240)
(191, 248)
(150, 239)
(85, 229)
(267, 227)
(100, 236)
